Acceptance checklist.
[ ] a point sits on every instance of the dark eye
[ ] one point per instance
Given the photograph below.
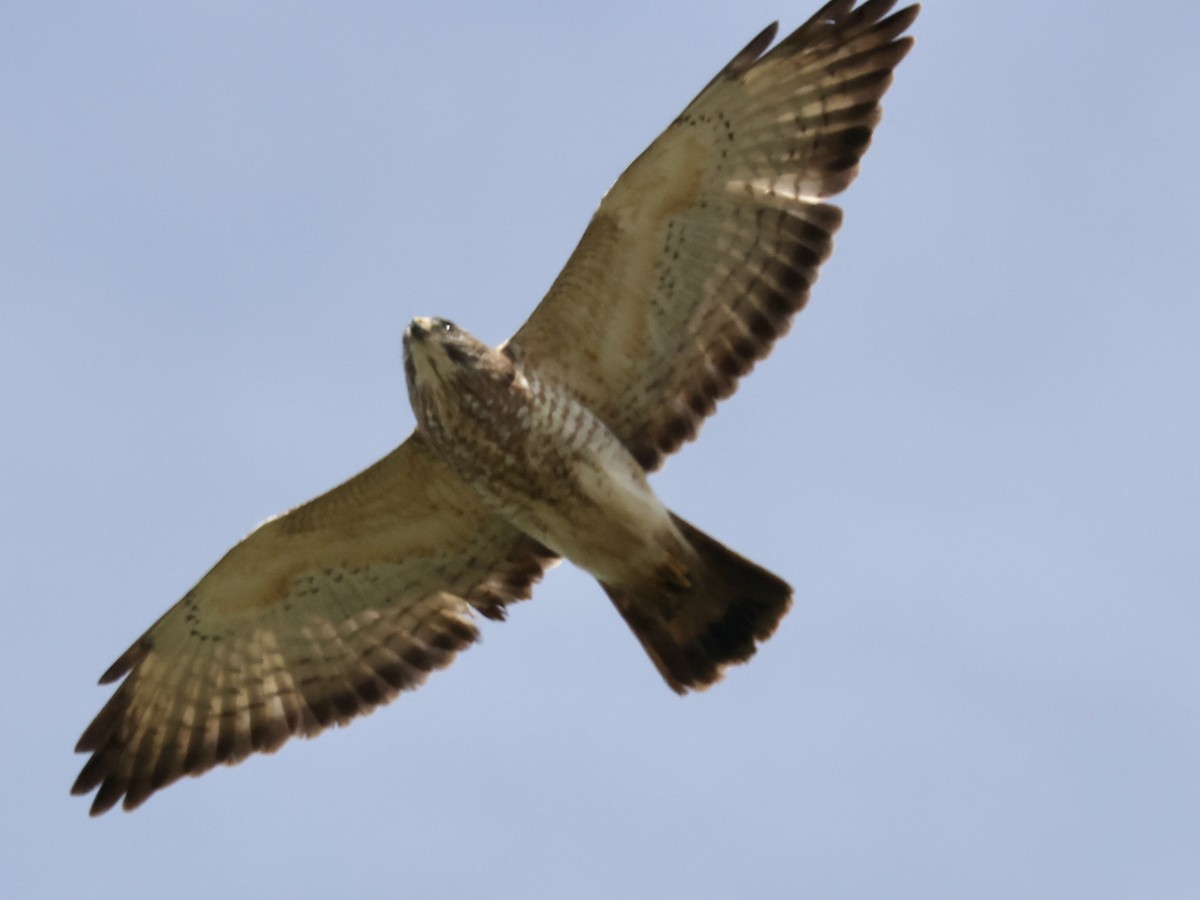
(446, 327)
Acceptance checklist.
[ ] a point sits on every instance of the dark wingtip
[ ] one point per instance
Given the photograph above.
(126, 661)
(753, 50)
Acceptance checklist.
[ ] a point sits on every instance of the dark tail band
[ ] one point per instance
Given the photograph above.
(693, 633)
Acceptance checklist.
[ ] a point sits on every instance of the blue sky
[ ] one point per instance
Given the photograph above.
(975, 456)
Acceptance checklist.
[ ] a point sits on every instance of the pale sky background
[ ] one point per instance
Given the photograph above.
(975, 456)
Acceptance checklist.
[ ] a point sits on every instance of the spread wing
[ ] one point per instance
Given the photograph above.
(318, 616)
(707, 245)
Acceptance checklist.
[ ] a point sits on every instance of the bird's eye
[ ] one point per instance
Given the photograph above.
(446, 327)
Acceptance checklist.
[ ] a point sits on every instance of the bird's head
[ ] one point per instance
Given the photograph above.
(436, 349)
(446, 366)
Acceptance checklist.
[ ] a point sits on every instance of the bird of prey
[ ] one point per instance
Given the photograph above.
(695, 262)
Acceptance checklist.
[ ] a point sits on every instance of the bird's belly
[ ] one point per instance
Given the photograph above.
(608, 521)
(558, 473)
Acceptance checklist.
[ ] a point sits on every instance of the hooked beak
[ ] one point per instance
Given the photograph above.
(418, 329)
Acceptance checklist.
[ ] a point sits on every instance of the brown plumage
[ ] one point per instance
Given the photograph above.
(694, 264)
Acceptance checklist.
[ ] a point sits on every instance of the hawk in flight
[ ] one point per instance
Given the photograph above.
(693, 265)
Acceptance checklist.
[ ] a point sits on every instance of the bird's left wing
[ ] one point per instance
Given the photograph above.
(708, 243)
(317, 616)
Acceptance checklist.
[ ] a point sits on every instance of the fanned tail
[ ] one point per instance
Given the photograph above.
(695, 625)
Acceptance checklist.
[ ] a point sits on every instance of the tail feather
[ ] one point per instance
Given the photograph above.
(714, 616)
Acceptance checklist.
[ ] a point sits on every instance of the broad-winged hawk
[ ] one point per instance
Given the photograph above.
(695, 262)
